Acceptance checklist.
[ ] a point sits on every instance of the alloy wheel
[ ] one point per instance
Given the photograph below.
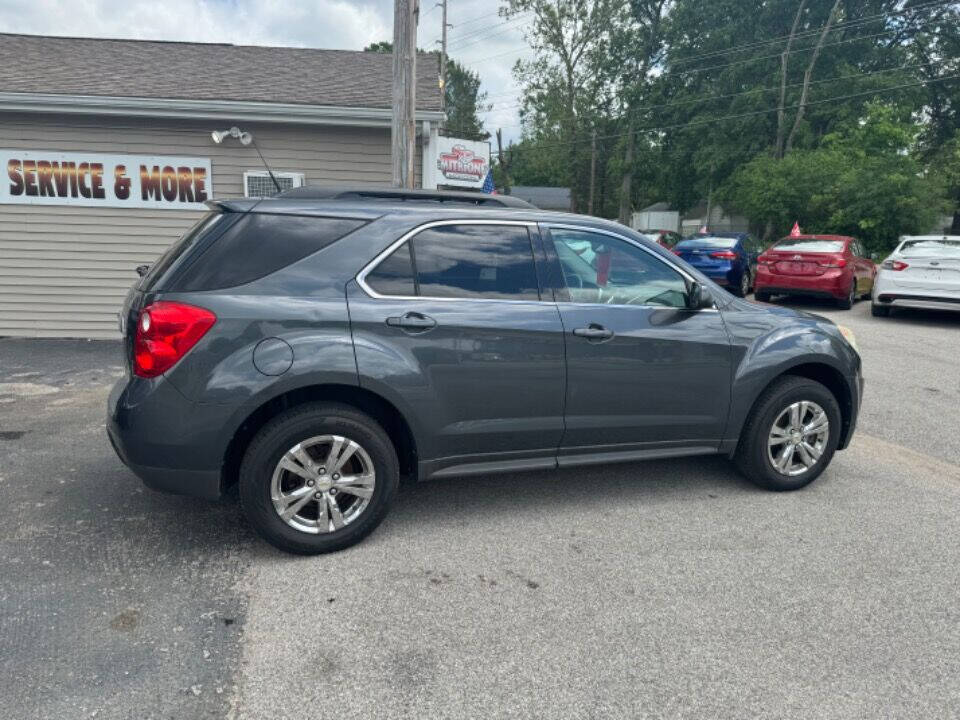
(322, 484)
(798, 438)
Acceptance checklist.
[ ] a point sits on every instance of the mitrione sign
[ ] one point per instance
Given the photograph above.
(453, 162)
(39, 177)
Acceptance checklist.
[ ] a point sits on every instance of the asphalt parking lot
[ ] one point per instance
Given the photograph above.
(666, 589)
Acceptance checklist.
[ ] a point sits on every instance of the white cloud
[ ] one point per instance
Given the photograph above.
(478, 33)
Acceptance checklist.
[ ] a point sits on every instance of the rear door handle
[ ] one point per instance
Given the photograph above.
(594, 332)
(412, 321)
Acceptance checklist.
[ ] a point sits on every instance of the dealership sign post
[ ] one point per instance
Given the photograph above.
(452, 162)
(39, 177)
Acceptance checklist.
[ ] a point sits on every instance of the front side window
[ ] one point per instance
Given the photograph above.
(489, 262)
(607, 270)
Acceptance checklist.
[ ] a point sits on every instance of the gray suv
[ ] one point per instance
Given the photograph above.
(315, 347)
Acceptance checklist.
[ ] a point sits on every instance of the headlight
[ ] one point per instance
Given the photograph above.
(849, 337)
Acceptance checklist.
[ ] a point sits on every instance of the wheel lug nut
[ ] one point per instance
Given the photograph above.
(318, 495)
(333, 491)
(322, 471)
(309, 483)
(336, 476)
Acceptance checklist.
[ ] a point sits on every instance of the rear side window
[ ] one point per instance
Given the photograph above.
(187, 241)
(259, 244)
(492, 262)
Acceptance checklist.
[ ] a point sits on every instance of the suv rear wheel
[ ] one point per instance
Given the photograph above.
(318, 478)
(791, 435)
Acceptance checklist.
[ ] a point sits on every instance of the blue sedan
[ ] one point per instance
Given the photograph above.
(729, 259)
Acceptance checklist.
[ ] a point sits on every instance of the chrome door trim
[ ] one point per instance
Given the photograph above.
(372, 265)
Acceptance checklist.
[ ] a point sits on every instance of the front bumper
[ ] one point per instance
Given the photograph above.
(167, 441)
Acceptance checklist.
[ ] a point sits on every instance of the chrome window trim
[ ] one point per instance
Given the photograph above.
(372, 265)
(603, 231)
(384, 254)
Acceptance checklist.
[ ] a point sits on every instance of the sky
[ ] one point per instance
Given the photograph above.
(479, 38)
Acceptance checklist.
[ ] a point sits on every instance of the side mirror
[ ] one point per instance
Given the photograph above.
(698, 297)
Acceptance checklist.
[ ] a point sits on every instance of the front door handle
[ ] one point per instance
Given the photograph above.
(412, 322)
(594, 332)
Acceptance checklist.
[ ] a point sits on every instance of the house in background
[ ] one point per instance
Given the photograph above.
(658, 216)
(719, 220)
(109, 150)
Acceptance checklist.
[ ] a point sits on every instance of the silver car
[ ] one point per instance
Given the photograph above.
(924, 271)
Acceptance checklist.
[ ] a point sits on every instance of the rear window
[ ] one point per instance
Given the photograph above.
(721, 243)
(259, 244)
(809, 245)
(187, 241)
(930, 248)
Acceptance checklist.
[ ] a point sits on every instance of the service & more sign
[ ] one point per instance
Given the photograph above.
(454, 162)
(40, 177)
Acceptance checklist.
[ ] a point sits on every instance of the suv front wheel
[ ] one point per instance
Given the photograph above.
(791, 435)
(318, 478)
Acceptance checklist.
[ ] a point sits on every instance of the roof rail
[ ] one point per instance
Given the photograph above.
(398, 195)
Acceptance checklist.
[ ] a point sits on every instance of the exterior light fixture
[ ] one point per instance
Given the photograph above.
(245, 138)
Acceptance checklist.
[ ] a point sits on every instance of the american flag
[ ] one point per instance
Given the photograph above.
(488, 183)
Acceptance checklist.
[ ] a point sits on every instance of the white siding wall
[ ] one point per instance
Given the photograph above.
(65, 270)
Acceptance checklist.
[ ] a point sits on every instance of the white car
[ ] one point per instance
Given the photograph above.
(924, 271)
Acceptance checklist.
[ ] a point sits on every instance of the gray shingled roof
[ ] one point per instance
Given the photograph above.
(203, 71)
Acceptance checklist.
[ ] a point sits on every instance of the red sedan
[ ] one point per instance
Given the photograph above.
(828, 266)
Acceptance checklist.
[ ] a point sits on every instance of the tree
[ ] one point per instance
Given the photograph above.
(861, 181)
(565, 82)
(464, 99)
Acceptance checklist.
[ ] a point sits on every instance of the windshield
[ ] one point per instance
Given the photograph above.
(809, 245)
(721, 243)
(931, 248)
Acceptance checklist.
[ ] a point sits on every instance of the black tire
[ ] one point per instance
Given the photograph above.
(761, 296)
(744, 288)
(285, 431)
(752, 458)
(850, 299)
(880, 310)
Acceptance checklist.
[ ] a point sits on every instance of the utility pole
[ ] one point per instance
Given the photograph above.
(505, 162)
(593, 169)
(443, 61)
(402, 131)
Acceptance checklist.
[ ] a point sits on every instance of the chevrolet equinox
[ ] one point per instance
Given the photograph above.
(315, 347)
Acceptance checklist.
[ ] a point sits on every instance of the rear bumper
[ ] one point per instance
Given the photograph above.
(166, 440)
(828, 285)
(728, 277)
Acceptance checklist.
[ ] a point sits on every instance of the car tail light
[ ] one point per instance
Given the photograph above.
(677, 252)
(894, 265)
(833, 263)
(763, 260)
(165, 333)
(724, 255)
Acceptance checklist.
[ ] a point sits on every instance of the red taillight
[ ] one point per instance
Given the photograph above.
(724, 255)
(894, 265)
(165, 332)
(764, 260)
(677, 252)
(833, 263)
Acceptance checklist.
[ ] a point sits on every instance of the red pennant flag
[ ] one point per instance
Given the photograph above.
(703, 230)
(796, 230)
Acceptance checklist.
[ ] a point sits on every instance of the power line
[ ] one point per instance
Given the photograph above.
(816, 31)
(479, 32)
(484, 38)
(709, 98)
(753, 113)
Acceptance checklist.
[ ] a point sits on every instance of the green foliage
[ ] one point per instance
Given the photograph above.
(463, 98)
(861, 181)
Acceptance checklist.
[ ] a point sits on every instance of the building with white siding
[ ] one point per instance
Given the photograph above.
(108, 156)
